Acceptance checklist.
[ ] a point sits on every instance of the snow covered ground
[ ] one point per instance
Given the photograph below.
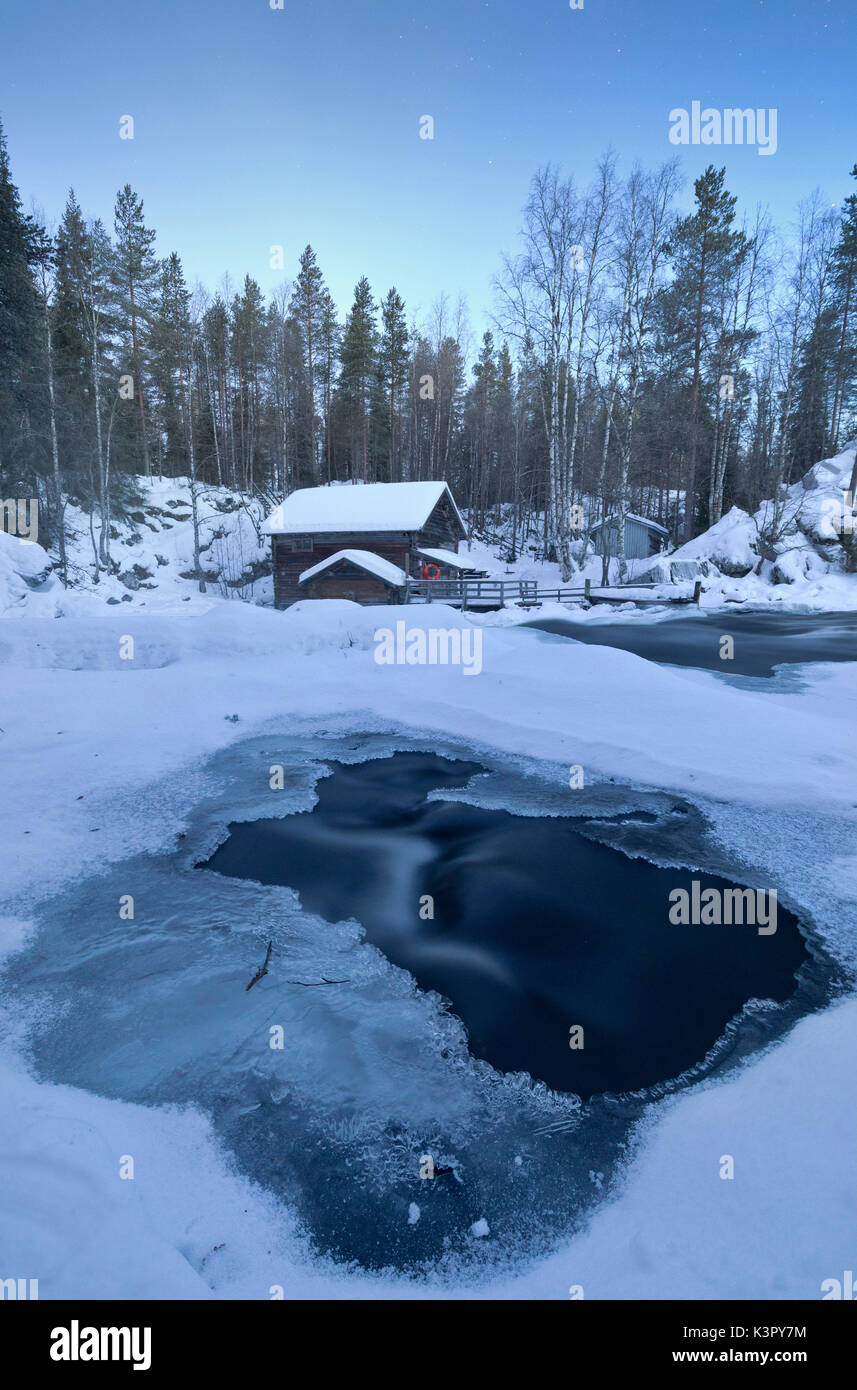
(106, 756)
(152, 545)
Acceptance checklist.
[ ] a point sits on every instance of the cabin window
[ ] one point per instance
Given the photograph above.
(297, 542)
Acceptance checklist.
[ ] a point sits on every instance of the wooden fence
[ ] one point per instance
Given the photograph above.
(526, 593)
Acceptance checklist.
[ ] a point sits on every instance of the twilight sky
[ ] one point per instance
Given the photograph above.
(256, 127)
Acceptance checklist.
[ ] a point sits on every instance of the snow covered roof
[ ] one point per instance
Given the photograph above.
(374, 564)
(632, 516)
(448, 557)
(358, 507)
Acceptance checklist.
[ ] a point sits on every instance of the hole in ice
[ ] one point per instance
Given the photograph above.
(534, 928)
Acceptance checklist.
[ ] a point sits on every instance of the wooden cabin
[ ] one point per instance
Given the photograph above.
(324, 540)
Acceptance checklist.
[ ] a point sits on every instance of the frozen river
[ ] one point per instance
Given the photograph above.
(762, 640)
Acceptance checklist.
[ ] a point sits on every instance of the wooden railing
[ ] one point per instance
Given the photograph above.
(472, 592)
(495, 592)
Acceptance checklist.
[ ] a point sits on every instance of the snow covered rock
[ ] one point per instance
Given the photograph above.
(24, 565)
(730, 545)
(667, 570)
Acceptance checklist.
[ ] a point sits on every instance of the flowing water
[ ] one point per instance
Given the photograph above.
(382, 1045)
(762, 640)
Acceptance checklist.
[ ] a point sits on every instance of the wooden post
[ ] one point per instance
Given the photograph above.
(697, 590)
(586, 588)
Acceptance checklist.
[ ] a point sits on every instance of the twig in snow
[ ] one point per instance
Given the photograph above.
(259, 973)
(312, 984)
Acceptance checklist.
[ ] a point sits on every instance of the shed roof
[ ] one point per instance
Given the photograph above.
(359, 507)
(374, 564)
(632, 516)
(447, 557)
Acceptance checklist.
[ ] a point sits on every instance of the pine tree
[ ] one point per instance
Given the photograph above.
(308, 307)
(177, 362)
(168, 331)
(392, 379)
(814, 387)
(482, 398)
(845, 290)
(703, 244)
(73, 384)
(215, 339)
(359, 359)
(91, 271)
(135, 273)
(330, 340)
(249, 353)
(19, 318)
(45, 261)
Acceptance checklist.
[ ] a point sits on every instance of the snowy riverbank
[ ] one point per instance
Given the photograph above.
(104, 757)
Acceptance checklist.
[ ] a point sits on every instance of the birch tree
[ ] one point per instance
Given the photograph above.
(535, 304)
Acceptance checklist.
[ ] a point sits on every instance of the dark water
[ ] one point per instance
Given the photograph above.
(536, 928)
(762, 640)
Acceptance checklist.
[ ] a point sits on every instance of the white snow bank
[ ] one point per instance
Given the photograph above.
(24, 565)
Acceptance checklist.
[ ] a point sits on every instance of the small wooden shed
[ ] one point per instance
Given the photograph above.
(354, 574)
(643, 538)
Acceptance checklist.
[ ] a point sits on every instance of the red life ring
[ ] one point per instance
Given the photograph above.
(427, 571)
